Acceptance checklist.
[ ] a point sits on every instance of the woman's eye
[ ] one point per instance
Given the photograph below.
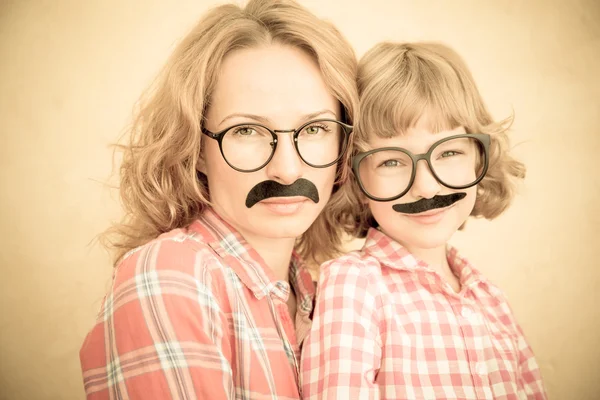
(316, 129)
(245, 131)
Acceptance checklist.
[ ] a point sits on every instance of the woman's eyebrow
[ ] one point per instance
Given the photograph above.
(267, 121)
(255, 117)
(316, 114)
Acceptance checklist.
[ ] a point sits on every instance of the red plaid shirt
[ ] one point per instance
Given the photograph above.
(195, 314)
(387, 326)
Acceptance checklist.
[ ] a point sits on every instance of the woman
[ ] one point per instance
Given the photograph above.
(227, 181)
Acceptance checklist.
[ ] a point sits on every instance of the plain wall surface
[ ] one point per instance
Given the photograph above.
(71, 71)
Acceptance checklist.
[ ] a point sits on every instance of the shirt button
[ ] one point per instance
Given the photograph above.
(480, 368)
(466, 312)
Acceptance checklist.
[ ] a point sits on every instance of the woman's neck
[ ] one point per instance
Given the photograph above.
(276, 253)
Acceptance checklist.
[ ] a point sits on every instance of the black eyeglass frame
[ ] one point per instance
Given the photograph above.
(218, 136)
(483, 138)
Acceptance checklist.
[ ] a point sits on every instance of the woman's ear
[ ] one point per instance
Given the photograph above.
(201, 165)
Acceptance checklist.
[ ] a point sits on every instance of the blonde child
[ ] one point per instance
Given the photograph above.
(407, 317)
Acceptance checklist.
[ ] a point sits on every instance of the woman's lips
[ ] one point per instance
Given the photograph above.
(284, 205)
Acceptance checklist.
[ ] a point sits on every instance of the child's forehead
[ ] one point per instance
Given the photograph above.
(430, 119)
(418, 136)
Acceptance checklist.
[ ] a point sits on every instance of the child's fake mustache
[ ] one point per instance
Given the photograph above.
(423, 205)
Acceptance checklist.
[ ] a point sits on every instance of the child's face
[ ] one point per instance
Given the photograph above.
(432, 228)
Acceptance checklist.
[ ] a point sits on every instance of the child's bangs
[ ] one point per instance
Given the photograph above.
(417, 88)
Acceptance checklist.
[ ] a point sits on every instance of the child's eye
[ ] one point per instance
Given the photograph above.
(450, 153)
(391, 163)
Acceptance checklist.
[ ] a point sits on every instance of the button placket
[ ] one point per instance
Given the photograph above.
(282, 321)
(467, 316)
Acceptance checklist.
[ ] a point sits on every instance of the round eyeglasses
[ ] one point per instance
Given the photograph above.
(457, 162)
(249, 147)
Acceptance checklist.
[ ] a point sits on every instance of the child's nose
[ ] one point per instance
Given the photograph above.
(425, 184)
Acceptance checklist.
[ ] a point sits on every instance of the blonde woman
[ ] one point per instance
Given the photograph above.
(228, 183)
(408, 317)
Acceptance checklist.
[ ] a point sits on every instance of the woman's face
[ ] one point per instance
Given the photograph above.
(282, 88)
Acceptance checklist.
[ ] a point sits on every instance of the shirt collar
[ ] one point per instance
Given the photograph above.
(249, 266)
(393, 255)
(462, 268)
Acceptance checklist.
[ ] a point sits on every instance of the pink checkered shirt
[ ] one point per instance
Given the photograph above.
(387, 326)
(196, 314)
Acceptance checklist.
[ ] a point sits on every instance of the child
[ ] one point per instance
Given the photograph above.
(407, 317)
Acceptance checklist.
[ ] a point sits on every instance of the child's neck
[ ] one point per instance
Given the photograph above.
(436, 259)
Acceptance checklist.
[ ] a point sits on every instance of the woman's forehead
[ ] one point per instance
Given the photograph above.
(278, 82)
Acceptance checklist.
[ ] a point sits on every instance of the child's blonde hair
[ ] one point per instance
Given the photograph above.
(399, 83)
(161, 188)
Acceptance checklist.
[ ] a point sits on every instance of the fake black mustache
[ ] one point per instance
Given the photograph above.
(429, 204)
(267, 189)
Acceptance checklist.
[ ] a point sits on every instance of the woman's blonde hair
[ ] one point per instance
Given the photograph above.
(160, 186)
(399, 83)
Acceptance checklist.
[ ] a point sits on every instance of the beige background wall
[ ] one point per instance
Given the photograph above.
(70, 72)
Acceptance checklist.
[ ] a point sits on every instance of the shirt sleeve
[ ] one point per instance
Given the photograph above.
(529, 369)
(160, 331)
(341, 356)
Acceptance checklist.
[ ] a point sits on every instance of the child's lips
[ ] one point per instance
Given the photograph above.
(429, 217)
(430, 212)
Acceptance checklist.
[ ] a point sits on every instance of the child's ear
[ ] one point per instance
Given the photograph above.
(364, 200)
